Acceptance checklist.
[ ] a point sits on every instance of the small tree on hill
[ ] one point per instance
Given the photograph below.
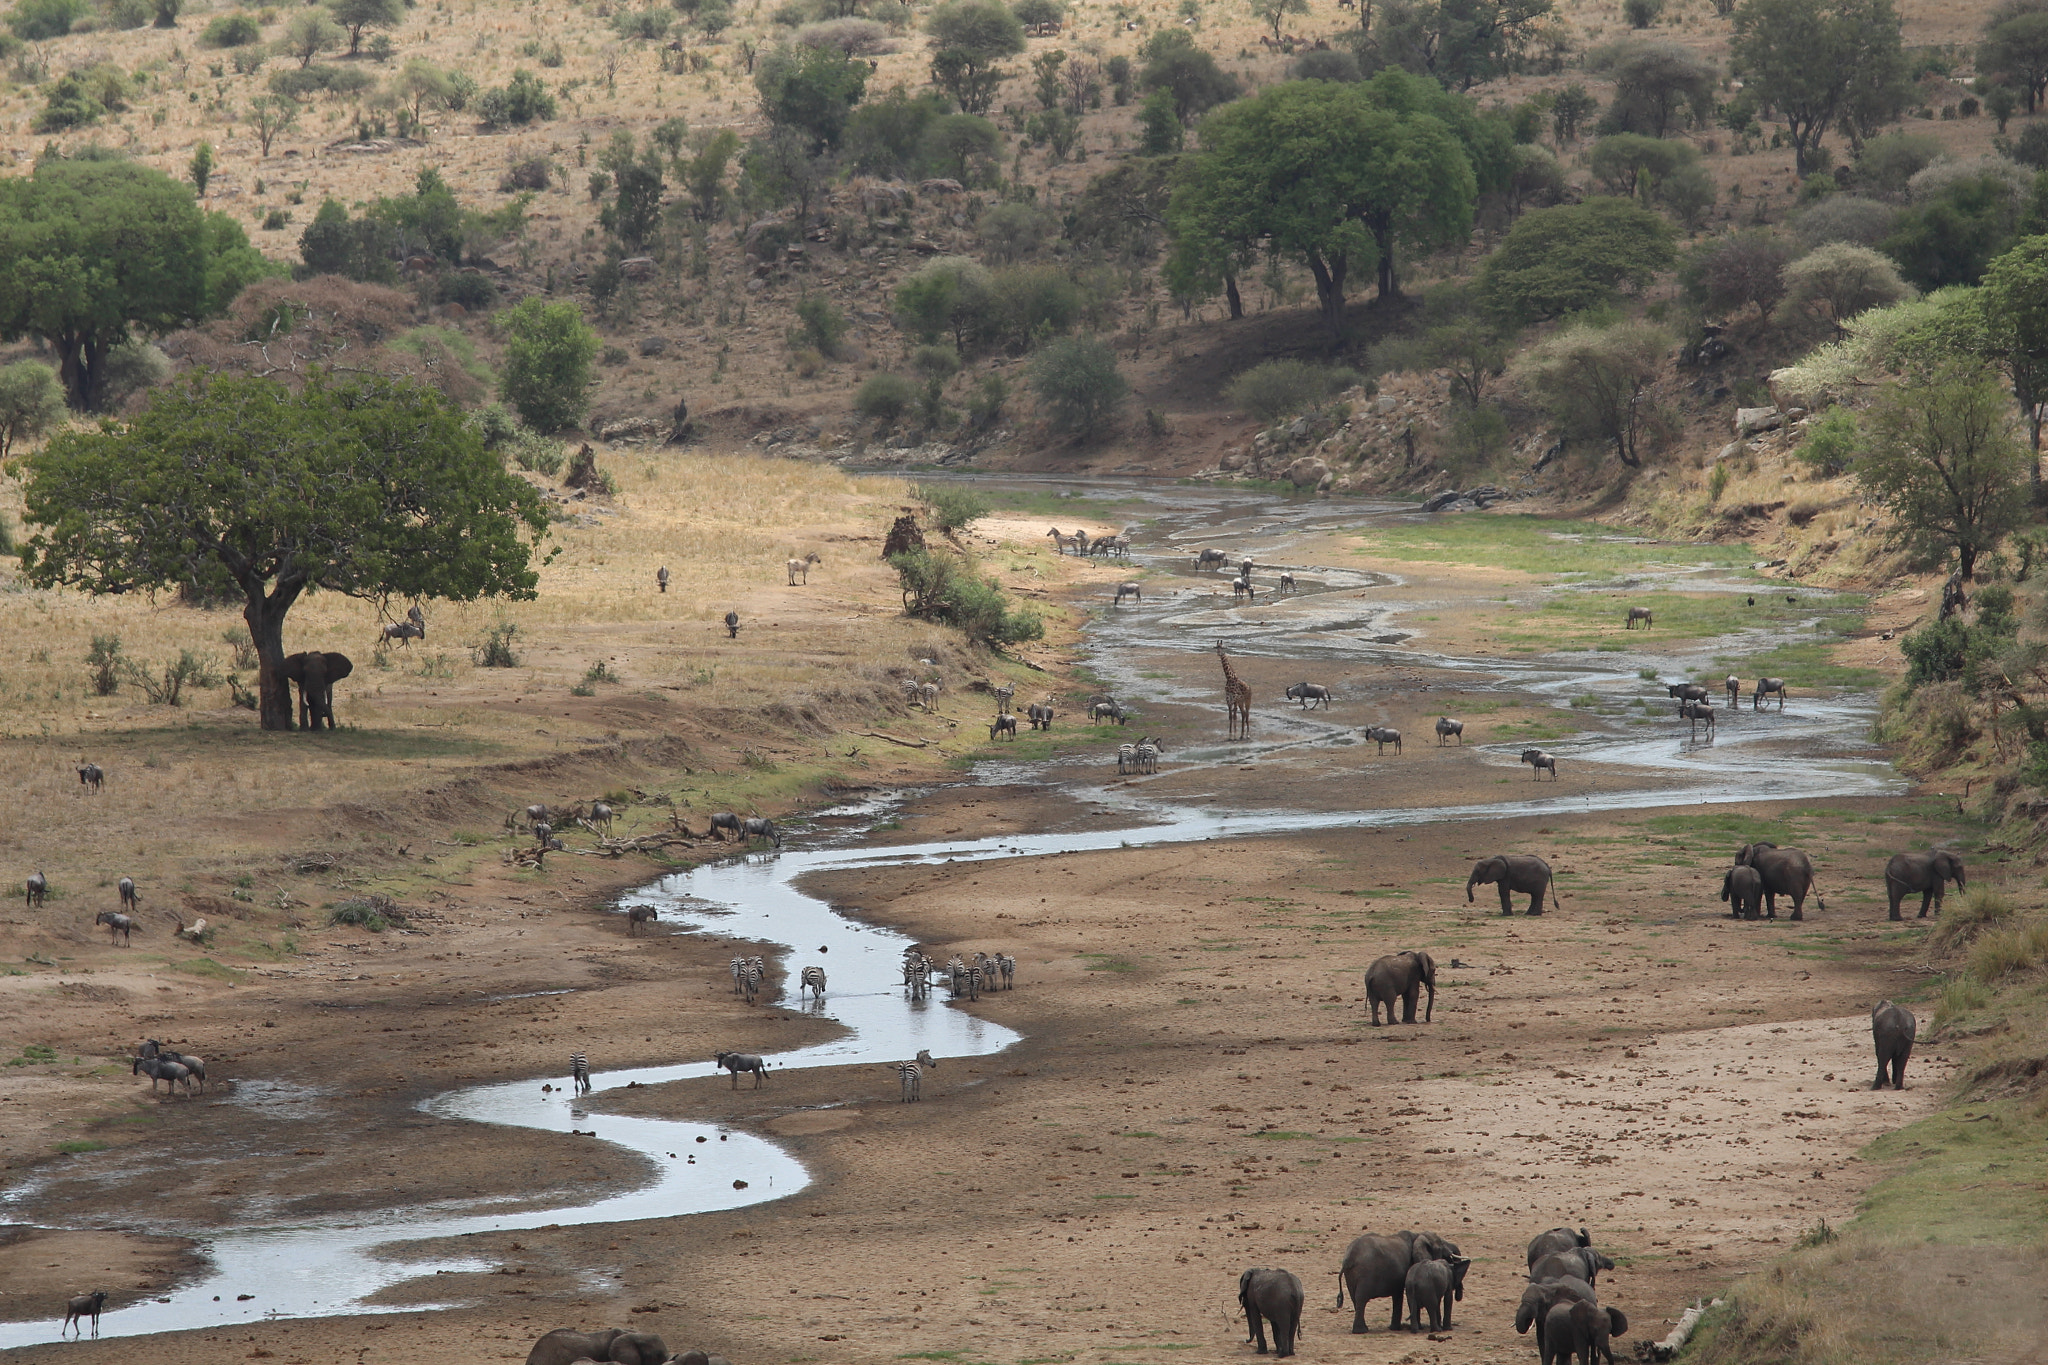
(549, 351)
(1595, 382)
(357, 15)
(1078, 380)
(1942, 459)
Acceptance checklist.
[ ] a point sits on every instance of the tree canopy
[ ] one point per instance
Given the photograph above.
(969, 38)
(1458, 43)
(1328, 173)
(811, 89)
(1575, 256)
(1943, 461)
(1818, 63)
(357, 15)
(2014, 307)
(2015, 47)
(549, 351)
(100, 250)
(371, 487)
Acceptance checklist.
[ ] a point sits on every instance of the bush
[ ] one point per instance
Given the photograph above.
(952, 506)
(37, 21)
(495, 649)
(1887, 163)
(167, 688)
(1838, 281)
(1641, 13)
(301, 82)
(943, 587)
(1743, 270)
(375, 913)
(2030, 148)
(1329, 64)
(884, 397)
(854, 37)
(1281, 388)
(1844, 218)
(1830, 444)
(31, 402)
(646, 25)
(521, 101)
(1573, 257)
(71, 104)
(938, 361)
(103, 663)
(1078, 380)
(473, 291)
(232, 30)
(824, 325)
(548, 354)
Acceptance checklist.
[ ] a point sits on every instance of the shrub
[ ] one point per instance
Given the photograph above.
(300, 82)
(647, 25)
(548, 355)
(1844, 218)
(103, 663)
(936, 362)
(31, 402)
(1742, 270)
(167, 687)
(943, 587)
(1078, 380)
(70, 104)
(1830, 444)
(1281, 388)
(232, 30)
(884, 396)
(495, 649)
(1329, 64)
(1999, 952)
(1641, 13)
(1838, 281)
(36, 21)
(1887, 163)
(854, 37)
(375, 913)
(824, 325)
(1573, 257)
(952, 506)
(473, 291)
(520, 101)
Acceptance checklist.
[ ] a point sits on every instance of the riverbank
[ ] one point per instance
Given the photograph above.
(1197, 1088)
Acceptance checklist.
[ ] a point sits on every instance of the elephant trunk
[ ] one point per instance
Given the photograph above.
(1471, 882)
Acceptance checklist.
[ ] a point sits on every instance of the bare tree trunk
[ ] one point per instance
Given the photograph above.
(1236, 301)
(273, 690)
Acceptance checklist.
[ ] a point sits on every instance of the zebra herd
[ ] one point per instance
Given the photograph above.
(968, 977)
(1080, 544)
(747, 973)
(1142, 757)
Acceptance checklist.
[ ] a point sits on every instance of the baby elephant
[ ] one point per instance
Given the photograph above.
(1743, 889)
(1432, 1285)
(1271, 1296)
(1578, 1328)
(1892, 1028)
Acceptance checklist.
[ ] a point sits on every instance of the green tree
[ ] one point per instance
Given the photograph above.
(1045, 77)
(1186, 73)
(1078, 380)
(1632, 165)
(201, 167)
(953, 142)
(948, 296)
(704, 173)
(1273, 13)
(1658, 86)
(1572, 109)
(371, 488)
(420, 85)
(1838, 281)
(1818, 62)
(357, 15)
(1324, 172)
(780, 169)
(969, 39)
(38, 21)
(549, 351)
(2014, 306)
(1942, 460)
(31, 402)
(885, 136)
(1745, 269)
(98, 251)
(1458, 43)
(271, 116)
(811, 89)
(1160, 131)
(2015, 46)
(1573, 257)
(311, 32)
(1595, 382)
(1953, 230)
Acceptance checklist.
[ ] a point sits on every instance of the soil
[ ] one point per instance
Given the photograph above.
(1199, 1088)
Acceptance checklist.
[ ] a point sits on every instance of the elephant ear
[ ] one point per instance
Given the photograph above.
(1617, 1323)
(339, 666)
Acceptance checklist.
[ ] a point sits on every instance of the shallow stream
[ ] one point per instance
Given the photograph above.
(322, 1267)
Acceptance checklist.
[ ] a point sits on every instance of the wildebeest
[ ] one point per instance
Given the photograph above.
(736, 1062)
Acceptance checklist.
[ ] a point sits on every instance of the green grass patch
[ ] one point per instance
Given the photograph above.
(1972, 1174)
(1540, 545)
(208, 968)
(1055, 505)
(1107, 962)
(35, 1054)
(78, 1147)
(1802, 663)
(1285, 1137)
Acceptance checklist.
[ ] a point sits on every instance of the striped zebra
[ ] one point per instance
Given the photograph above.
(739, 968)
(917, 974)
(813, 980)
(970, 979)
(750, 979)
(1007, 967)
(956, 974)
(911, 1075)
(579, 1073)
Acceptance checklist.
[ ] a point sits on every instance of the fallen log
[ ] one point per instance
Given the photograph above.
(1673, 1344)
(906, 743)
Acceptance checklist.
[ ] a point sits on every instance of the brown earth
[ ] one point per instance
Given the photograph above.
(1693, 1090)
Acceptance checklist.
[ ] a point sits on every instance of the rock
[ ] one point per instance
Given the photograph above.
(638, 267)
(1385, 404)
(1307, 473)
(1731, 450)
(651, 346)
(1297, 429)
(940, 187)
(1749, 421)
(1442, 500)
(889, 198)
(1235, 460)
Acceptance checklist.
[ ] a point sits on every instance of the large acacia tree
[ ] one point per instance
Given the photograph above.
(1821, 64)
(371, 487)
(1329, 174)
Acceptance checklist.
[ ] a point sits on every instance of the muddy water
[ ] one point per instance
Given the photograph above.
(338, 1266)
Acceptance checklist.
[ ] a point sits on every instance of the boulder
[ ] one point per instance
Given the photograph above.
(653, 346)
(1442, 500)
(1730, 451)
(639, 268)
(941, 187)
(1750, 421)
(1307, 473)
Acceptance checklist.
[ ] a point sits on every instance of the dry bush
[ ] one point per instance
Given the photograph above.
(281, 329)
(1966, 916)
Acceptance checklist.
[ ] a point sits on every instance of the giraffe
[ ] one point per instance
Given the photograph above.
(1237, 698)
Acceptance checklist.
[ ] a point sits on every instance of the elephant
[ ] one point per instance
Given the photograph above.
(1743, 889)
(1579, 1263)
(1402, 977)
(1376, 1267)
(1892, 1028)
(566, 1344)
(1578, 1328)
(1539, 1299)
(1271, 1296)
(1786, 872)
(1923, 872)
(1523, 872)
(1431, 1287)
(1557, 1239)
(316, 674)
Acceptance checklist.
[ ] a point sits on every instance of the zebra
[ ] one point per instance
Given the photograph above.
(970, 977)
(1003, 696)
(739, 968)
(579, 1073)
(813, 980)
(911, 1076)
(917, 973)
(956, 974)
(1007, 967)
(1126, 759)
(750, 979)
(1149, 750)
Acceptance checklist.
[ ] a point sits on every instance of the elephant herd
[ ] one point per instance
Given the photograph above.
(1425, 1272)
(565, 1345)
